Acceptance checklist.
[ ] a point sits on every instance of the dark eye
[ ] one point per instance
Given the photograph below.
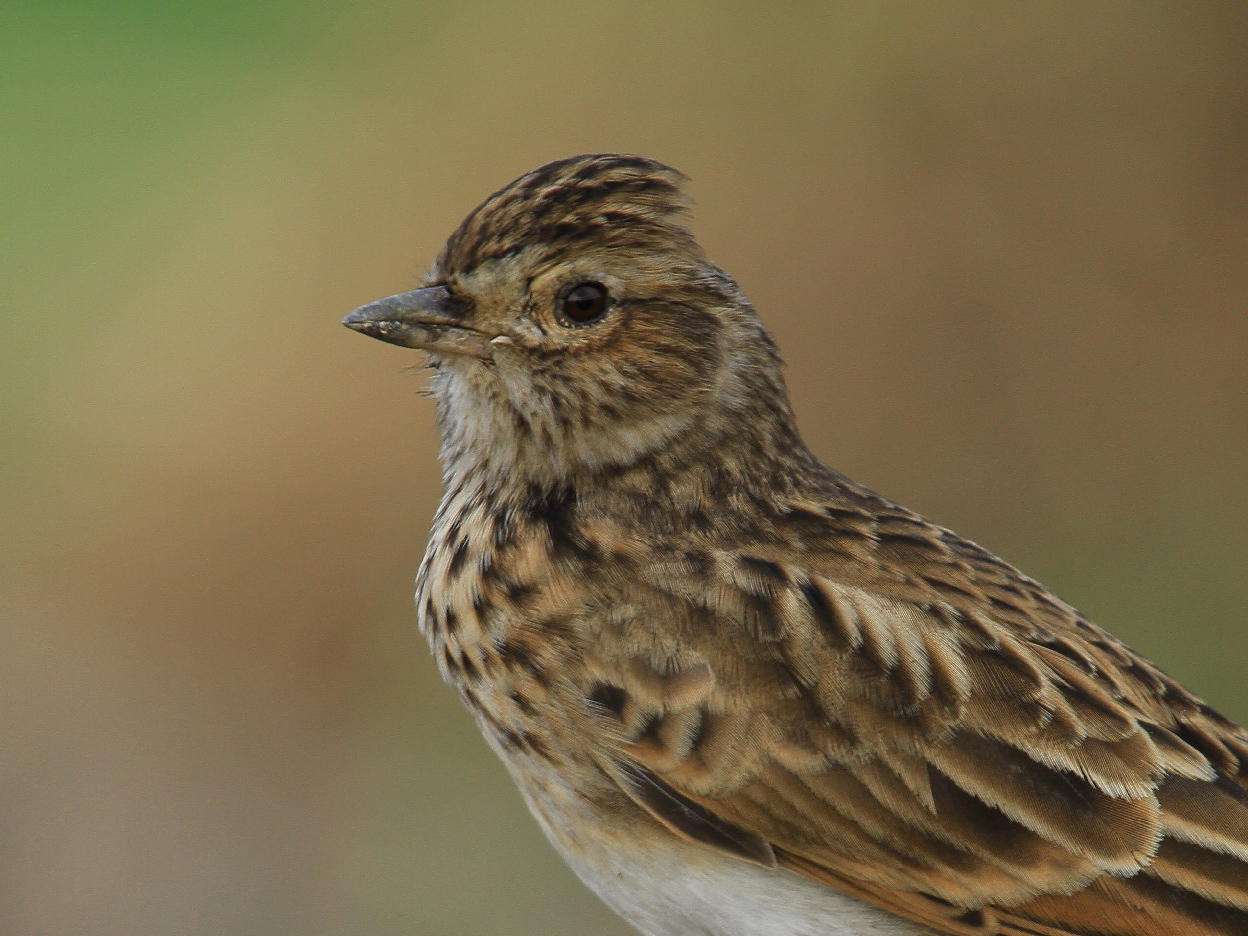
(584, 303)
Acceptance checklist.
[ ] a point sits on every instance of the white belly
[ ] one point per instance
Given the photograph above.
(686, 890)
(665, 886)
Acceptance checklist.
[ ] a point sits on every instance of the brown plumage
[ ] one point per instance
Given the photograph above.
(732, 684)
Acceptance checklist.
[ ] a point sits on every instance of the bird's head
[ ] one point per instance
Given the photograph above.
(575, 325)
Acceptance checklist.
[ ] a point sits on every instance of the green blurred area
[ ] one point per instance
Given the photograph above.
(1004, 249)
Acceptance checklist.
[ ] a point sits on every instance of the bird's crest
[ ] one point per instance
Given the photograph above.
(613, 199)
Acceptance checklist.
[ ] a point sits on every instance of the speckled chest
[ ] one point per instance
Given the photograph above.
(499, 611)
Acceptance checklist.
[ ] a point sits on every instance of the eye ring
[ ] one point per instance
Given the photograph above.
(584, 303)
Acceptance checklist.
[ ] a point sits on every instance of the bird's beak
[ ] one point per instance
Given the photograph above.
(430, 319)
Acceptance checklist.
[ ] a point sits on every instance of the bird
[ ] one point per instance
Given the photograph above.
(742, 694)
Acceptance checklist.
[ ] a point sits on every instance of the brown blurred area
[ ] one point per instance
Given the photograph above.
(1005, 249)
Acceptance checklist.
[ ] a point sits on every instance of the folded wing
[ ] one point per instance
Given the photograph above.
(910, 720)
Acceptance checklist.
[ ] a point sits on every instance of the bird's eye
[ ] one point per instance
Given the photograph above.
(584, 303)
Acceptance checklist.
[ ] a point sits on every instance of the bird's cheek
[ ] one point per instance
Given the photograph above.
(523, 332)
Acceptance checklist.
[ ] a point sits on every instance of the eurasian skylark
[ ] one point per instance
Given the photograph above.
(741, 693)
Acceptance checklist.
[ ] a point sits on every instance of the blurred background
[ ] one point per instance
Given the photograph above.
(1004, 247)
